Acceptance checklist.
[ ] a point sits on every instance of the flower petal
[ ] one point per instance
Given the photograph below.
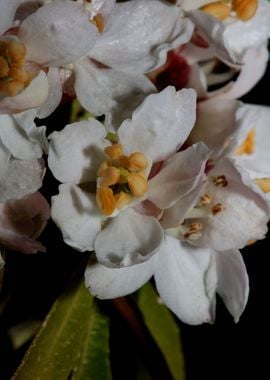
(7, 13)
(106, 283)
(84, 142)
(180, 281)
(54, 94)
(139, 34)
(233, 284)
(128, 239)
(58, 33)
(179, 176)
(161, 124)
(107, 91)
(76, 213)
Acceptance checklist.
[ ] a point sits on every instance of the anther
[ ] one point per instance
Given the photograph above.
(110, 176)
(220, 181)
(264, 184)
(99, 22)
(217, 208)
(205, 199)
(137, 184)
(122, 199)
(247, 146)
(218, 9)
(114, 151)
(105, 200)
(245, 9)
(137, 161)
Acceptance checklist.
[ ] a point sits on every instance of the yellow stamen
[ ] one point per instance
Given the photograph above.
(137, 161)
(217, 208)
(110, 176)
(99, 22)
(137, 184)
(206, 199)
(218, 9)
(220, 181)
(105, 200)
(16, 51)
(114, 151)
(264, 184)
(251, 242)
(247, 146)
(245, 9)
(124, 173)
(4, 68)
(105, 164)
(122, 200)
(13, 87)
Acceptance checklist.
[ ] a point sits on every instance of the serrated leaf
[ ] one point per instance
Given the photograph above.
(164, 330)
(93, 363)
(54, 352)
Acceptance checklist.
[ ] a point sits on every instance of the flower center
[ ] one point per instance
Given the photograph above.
(244, 10)
(247, 146)
(120, 179)
(13, 75)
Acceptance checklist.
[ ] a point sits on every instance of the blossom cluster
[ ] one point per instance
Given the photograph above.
(176, 178)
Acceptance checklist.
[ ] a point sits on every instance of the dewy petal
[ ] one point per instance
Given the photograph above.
(128, 239)
(107, 91)
(179, 176)
(76, 152)
(33, 96)
(7, 13)
(180, 281)
(106, 283)
(233, 284)
(16, 140)
(139, 34)
(213, 31)
(58, 33)
(22, 177)
(161, 124)
(54, 94)
(245, 213)
(76, 213)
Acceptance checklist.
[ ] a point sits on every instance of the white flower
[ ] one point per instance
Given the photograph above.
(118, 216)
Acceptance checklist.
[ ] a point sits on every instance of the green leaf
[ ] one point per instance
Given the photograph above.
(93, 363)
(164, 330)
(55, 350)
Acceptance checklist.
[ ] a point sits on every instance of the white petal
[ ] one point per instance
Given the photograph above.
(139, 34)
(16, 140)
(76, 213)
(22, 177)
(161, 124)
(4, 159)
(213, 32)
(103, 7)
(76, 152)
(180, 281)
(233, 284)
(33, 96)
(103, 91)
(179, 176)
(7, 13)
(106, 283)
(188, 5)
(58, 33)
(128, 239)
(54, 95)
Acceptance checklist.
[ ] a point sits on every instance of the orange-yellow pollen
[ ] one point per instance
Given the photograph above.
(137, 161)
(13, 76)
(110, 176)
(219, 9)
(122, 199)
(247, 146)
(242, 9)
(137, 184)
(264, 184)
(114, 151)
(99, 22)
(105, 200)
(245, 9)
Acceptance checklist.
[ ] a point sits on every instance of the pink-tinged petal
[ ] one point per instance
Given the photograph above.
(139, 34)
(7, 13)
(178, 176)
(21, 178)
(22, 221)
(213, 31)
(107, 91)
(107, 283)
(233, 283)
(77, 215)
(245, 214)
(180, 281)
(33, 96)
(54, 94)
(58, 33)
(254, 66)
(161, 124)
(128, 239)
(76, 152)
(17, 142)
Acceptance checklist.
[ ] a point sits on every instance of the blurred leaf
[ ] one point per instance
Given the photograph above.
(55, 350)
(164, 330)
(93, 363)
(78, 113)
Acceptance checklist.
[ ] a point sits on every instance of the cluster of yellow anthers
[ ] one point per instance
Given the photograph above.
(120, 178)
(242, 9)
(13, 75)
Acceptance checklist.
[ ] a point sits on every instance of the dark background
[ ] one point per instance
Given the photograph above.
(222, 350)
